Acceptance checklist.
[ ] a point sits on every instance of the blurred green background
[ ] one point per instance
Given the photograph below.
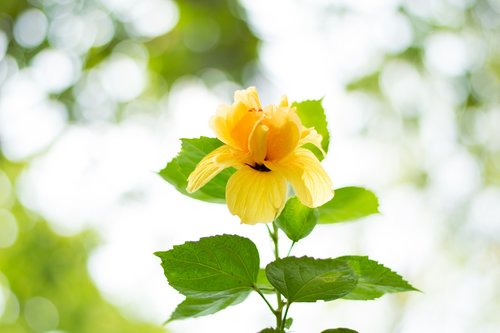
(95, 93)
(44, 283)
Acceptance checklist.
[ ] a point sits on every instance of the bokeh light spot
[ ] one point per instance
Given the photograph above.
(401, 83)
(71, 32)
(484, 214)
(102, 25)
(446, 53)
(55, 69)
(3, 44)
(41, 314)
(151, 18)
(11, 306)
(123, 78)
(118, 6)
(3, 294)
(8, 228)
(3, 301)
(30, 28)
(5, 189)
(23, 99)
(8, 66)
(393, 32)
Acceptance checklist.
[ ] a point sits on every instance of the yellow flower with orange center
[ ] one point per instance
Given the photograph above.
(264, 144)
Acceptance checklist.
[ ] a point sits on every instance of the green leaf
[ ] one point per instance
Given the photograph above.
(374, 279)
(193, 307)
(288, 323)
(178, 170)
(215, 266)
(339, 330)
(263, 283)
(309, 280)
(297, 220)
(349, 203)
(269, 330)
(312, 114)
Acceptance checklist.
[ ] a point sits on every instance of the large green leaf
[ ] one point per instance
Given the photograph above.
(192, 151)
(312, 114)
(349, 203)
(297, 220)
(309, 280)
(374, 279)
(212, 267)
(193, 307)
(339, 330)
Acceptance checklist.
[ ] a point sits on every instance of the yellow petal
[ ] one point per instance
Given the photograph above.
(284, 132)
(310, 135)
(248, 97)
(258, 143)
(234, 124)
(211, 165)
(220, 124)
(284, 101)
(256, 196)
(311, 183)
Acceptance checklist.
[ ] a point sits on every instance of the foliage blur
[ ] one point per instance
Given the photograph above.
(44, 283)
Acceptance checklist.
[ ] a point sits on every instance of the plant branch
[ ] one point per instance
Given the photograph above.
(279, 310)
(283, 323)
(264, 298)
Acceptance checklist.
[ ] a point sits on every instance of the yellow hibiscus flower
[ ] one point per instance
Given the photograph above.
(265, 146)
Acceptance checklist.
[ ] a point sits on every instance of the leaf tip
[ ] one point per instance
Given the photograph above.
(159, 254)
(412, 288)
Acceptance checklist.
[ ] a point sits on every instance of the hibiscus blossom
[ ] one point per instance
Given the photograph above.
(264, 144)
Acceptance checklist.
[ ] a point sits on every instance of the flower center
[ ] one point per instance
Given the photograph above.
(259, 167)
(255, 110)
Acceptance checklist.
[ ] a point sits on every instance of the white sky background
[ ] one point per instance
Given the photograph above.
(102, 175)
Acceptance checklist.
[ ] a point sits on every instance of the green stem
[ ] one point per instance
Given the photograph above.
(290, 249)
(275, 241)
(280, 318)
(279, 310)
(264, 298)
(283, 323)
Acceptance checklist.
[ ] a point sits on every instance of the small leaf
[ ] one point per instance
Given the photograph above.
(349, 203)
(178, 170)
(263, 283)
(288, 323)
(312, 114)
(212, 267)
(374, 279)
(339, 330)
(297, 220)
(309, 280)
(269, 330)
(193, 307)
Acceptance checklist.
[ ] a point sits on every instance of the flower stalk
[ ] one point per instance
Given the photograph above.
(278, 312)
